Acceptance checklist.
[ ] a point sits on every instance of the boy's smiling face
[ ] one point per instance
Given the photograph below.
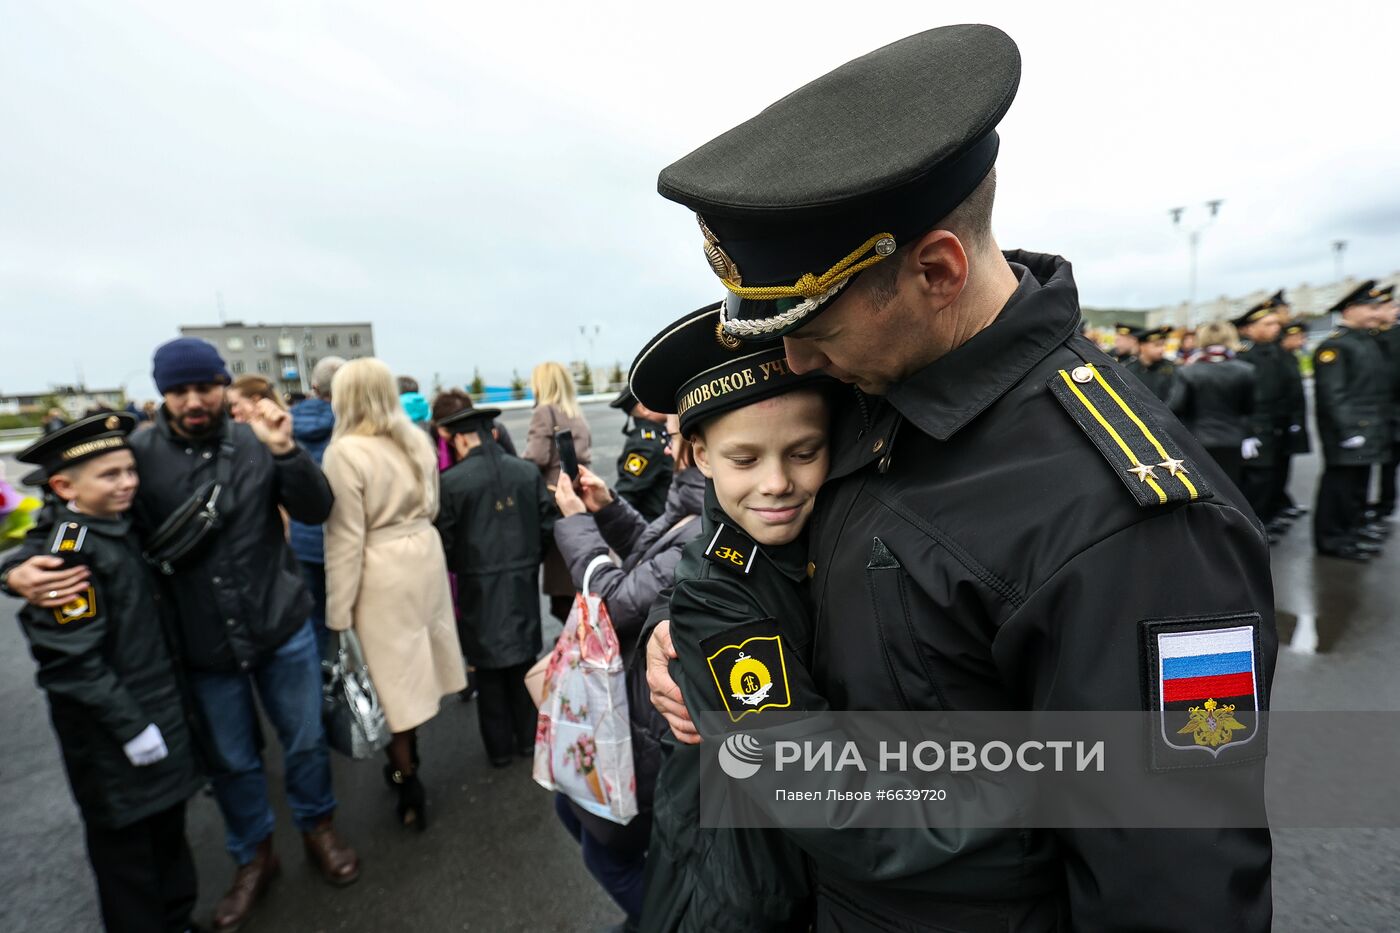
(103, 486)
(767, 461)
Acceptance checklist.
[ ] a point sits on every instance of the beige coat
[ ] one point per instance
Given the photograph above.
(386, 576)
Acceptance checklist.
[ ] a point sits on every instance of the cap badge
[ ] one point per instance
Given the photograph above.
(727, 341)
(719, 260)
(884, 246)
(112, 422)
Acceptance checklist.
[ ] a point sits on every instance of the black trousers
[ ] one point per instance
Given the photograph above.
(1229, 460)
(1341, 504)
(145, 874)
(505, 711)
(1258, 484)
(1387, 499)
(1285, 471)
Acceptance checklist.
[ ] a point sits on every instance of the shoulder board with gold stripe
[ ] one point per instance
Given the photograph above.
(1143, 455)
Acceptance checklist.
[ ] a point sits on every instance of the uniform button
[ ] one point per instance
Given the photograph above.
(189, 450)
(230, 622)
(242, 665)
(218, 579)
(1082, 374)
(206, 455)
(811, 569)
(879, 445)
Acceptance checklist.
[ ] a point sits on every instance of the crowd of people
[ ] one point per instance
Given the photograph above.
(899, 484)
(1238, 387)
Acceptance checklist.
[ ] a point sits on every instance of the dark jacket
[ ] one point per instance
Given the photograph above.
(105, 665)
(241, 596)
(1389, 341)
(742, 879)
(312, 424)
(1157, 377)
(1002, 526)
(649, 552)
(1297, 440)
(1273, 413)
(494, 519)
(1353, 387)
(644, 468)
(1214, 400)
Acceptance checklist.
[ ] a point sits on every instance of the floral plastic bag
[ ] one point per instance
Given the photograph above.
(583, 740)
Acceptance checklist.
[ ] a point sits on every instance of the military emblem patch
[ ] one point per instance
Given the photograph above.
(1203, 678)
(635, 464)
(732, 549)
(82, 606)
(750, 674)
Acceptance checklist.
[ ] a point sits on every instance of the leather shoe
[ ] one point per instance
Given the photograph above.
(338, 862)
(1369, 547)
(249, 883)
(1346, 553)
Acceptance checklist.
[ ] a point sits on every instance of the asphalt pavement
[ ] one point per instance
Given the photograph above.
(495, 858)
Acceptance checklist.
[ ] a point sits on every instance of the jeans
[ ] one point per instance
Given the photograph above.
(619, 868)
(315, 577)
(289, 686)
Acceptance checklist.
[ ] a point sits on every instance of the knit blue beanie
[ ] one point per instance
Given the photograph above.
(185, 361)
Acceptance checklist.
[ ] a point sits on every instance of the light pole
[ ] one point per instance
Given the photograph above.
(1339, 247)
(1193, 237)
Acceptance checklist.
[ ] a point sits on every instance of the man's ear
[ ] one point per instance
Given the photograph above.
(937, 269)
(701, 455)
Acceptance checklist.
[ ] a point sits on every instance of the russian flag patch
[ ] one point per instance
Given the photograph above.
(1203, 679)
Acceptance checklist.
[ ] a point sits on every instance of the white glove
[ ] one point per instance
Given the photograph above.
(147, 748)
(1294, 428)
(1352, 443)
(1249, 448)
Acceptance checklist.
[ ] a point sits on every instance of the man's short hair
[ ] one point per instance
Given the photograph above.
(407, 384)
(970, 222)
(323, 372)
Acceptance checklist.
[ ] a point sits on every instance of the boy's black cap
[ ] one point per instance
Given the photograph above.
(1270, 305)
(1297, 327)
(1154, 333)
(468, 420)
(1364, 294)
(82, 440)
(1125, 330)
(695, 370)
(835, 176)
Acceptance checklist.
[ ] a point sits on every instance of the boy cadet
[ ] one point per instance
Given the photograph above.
(644, 468)
(1295, 336)
(1353, 423)
(978, 500)
(1273, 367)
(495, 516)
(111, 684)
(1125, 342)
(1151, 366)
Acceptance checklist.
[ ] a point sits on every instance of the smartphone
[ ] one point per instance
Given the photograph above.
(568, 457)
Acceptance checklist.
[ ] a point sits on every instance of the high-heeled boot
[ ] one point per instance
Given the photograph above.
(413, 801)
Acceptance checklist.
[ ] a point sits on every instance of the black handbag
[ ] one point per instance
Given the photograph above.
(185, 530)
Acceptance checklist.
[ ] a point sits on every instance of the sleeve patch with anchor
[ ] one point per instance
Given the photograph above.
(749, 668)
(1144, 456)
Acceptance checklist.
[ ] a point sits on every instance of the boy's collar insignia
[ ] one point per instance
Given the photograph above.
(732, 549)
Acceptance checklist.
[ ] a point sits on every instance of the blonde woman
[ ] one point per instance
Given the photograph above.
(385, 572)
(245, 393)
(556, 409)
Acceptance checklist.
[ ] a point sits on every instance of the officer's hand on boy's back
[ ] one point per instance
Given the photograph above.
(273, 426)
(44, 581)
(665, 695)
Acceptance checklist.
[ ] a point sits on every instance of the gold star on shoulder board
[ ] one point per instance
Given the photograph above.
(1142, 471)
(1173, 466)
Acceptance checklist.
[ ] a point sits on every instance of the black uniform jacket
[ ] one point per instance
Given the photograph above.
(1389, 340)
(494, 519)
(1157, 377)
(104, 663)
(740, 599)
(1353, 386)
(241, 596)
(1214, 400)
(975, 549)
(1297, 441)
(1273, 401)
(644, 469)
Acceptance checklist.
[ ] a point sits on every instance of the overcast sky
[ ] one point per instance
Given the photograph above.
(478, 180)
